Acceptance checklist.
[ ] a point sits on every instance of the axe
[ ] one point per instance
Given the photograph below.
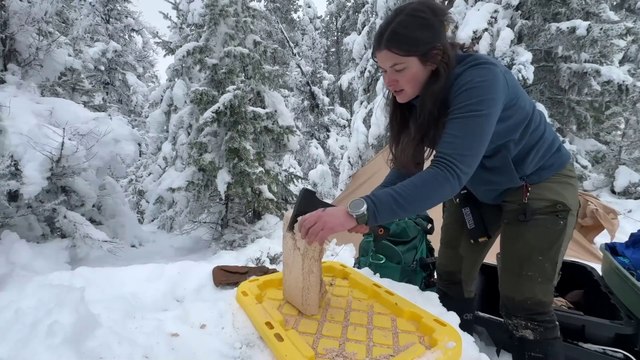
(307, 202)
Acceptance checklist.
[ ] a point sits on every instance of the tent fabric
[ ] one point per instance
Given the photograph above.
(593, 218)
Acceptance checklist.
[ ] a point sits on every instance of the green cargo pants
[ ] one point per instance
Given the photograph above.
(531, 252)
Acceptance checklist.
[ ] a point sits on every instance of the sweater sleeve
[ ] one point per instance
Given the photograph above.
(477, 98)
(394, 176)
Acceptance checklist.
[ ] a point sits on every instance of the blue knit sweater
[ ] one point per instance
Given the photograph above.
(494, 139)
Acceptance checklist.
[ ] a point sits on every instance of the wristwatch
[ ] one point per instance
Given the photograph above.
(358, 209)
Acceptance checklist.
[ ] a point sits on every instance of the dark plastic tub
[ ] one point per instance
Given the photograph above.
(499, 335)
(599, 319)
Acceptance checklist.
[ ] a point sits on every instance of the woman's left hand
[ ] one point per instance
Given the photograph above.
(317, 226)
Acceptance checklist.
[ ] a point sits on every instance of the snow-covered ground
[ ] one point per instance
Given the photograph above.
(158, 301)
(154, 302)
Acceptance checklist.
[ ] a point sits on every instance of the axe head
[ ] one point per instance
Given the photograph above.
(307, 202)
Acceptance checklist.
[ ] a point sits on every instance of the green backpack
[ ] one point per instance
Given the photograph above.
(401, 251)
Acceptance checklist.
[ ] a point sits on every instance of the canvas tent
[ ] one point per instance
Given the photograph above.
(594, 216)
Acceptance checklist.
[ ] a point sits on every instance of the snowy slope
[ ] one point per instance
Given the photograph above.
(167, 310)
(156, 302)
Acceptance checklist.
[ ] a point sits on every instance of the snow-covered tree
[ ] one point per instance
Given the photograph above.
(317, 117)
(31, 40)
(10, 178)
(115, 58)
(245, 130)
(157, 185)
(227, 157)
(4, 38)
(285, 11)
(586, 58)
(487, 27)
(362, 82)
(335, 31)
(60, 169)
(61, 162)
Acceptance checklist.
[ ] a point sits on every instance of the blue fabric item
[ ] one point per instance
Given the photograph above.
(495, 138)
(627, 253)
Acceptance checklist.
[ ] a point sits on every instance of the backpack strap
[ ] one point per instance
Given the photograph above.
(379, 234)
(425, 222)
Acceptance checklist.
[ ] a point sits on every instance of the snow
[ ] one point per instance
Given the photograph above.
(264, 190)
(179, 93)
(359, 44)
(628, 216)
(276, 103)
(135, 83)
(145, 310)
(54, 63)
(587, 144)
(222, 181)
(158, 301)
(379, 120)
(504, 41)
(475, 19)
(606, 13)
(153, 299)
(581, 27)
(82, 230)
(321, 6)
(170, 180)
(321, 179)
(222, 102)
(184, 50)
(157, 122)
(624, 177)
(257, 5)
(108, 141)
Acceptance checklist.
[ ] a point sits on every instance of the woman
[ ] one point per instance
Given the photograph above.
(493, 148)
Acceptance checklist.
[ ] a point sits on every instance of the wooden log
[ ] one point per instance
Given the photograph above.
(301, 271)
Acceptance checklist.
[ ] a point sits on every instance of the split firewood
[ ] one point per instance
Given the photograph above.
(301, 271)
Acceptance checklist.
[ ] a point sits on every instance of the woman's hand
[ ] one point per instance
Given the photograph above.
(317, 226)
(359, 229)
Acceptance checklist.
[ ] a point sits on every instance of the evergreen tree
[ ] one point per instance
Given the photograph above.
(363, 83)
(335, 31)
(327, 128)
(115, 55)
(10, 178)
(4, 39)
(30, 39)
(285, 11)
(245, 129)
(166, 153)
(225, 128)
(319, 117)
(586, 59)
(488, 27)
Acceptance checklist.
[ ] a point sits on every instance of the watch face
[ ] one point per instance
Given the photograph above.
(357, 206)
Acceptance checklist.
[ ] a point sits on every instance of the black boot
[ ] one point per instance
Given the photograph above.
(538, 349)
(535, 337)
(464, 307)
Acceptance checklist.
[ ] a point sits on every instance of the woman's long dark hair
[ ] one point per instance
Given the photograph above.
(418, 28)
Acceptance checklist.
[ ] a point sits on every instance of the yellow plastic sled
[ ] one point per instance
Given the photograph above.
(360, 319)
